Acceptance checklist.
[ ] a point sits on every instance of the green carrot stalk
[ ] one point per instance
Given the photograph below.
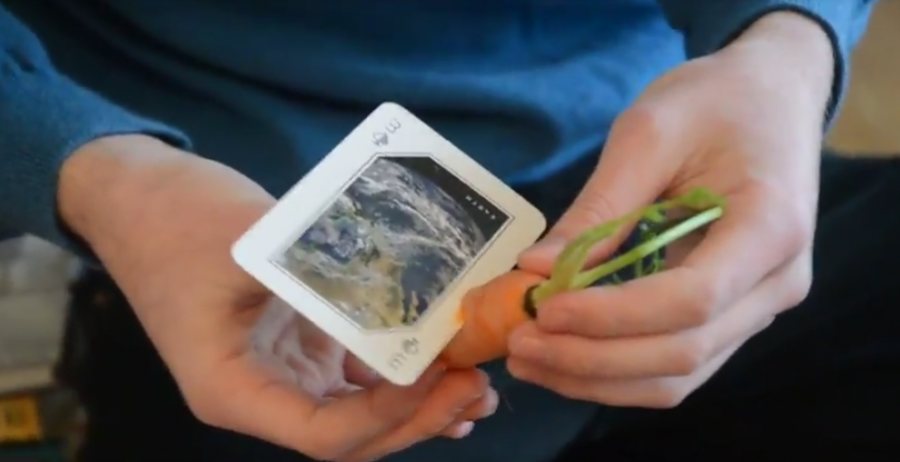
(656, 230)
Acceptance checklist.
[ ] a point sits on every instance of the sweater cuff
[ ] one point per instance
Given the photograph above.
(719, 22)
(44, 118)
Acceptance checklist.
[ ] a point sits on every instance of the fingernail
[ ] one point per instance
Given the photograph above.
(464, 429)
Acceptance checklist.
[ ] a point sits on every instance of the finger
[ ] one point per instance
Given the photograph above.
(593, 312)
(459, 430)
(483, 407)
(753, 238)
(275, 322)
(675, 354)
(311, 358)
(462, 426)
(621, 183)
(456, 393)
(358, 373)
(654, 393)
(251, 403)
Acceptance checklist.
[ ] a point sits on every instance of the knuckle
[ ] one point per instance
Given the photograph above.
(642, 122)
(669, 400)
(518, 371)
(792, 217)
(700, 304)
(595, 208)
(204, 408)
(668, 395)
(799, 230)
(800, 283)
(690, 355)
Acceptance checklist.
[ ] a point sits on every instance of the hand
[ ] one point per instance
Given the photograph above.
(746, 123)
(162, 222)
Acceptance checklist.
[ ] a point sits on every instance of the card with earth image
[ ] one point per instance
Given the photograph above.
(393, 242)
(379, 242)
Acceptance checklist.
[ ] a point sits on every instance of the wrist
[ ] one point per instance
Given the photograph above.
(793, 48)
(107, 172)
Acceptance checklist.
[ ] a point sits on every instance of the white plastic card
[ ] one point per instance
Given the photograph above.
(379, 242)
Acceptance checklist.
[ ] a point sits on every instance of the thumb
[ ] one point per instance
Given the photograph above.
(625, 179)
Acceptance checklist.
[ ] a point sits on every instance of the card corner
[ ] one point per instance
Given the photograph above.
(391, 106)
(239, 252)
(406, 377)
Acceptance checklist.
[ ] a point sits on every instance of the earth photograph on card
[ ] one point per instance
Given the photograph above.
(402, 232)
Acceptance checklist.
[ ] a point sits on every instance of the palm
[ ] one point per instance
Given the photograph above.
(304, 355)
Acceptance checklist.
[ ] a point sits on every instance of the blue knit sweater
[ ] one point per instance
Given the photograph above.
(269, 86)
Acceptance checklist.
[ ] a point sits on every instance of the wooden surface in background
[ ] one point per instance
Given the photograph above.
(870, 120)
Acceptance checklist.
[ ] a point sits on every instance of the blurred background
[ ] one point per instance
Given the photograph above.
(40, 421)
(870, 120)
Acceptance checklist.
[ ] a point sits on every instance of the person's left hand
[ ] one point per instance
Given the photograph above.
(746, 123)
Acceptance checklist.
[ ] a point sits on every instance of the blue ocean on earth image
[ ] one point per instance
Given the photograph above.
(387, 247)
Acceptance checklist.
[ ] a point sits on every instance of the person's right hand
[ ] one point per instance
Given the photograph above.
(162, 222)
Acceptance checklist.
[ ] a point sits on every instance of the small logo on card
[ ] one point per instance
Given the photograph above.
(409, 347)
(381, 138)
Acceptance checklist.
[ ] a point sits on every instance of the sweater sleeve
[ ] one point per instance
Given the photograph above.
(709, 25)
(44, 117)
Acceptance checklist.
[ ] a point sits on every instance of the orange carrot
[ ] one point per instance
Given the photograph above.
(489, 313)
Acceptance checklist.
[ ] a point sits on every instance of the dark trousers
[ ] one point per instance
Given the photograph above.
(822, 382)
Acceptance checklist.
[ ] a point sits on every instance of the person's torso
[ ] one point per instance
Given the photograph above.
(270, 86)
(526, 87)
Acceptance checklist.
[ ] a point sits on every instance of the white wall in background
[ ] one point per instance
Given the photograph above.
(34, 279)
